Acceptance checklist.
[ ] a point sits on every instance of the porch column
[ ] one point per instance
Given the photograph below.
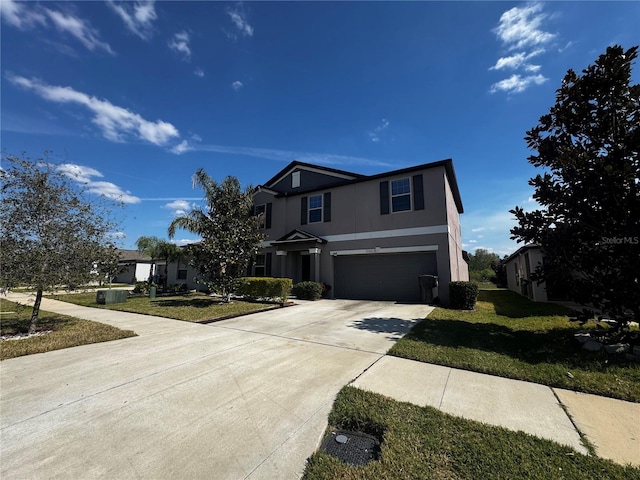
(315, 263)
(282, 263)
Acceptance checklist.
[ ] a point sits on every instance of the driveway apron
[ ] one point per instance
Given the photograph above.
(241, 398)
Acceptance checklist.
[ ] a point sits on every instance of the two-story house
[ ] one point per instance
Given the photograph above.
(368, 237)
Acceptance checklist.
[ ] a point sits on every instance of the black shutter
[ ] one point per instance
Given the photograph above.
(267, 264)
(418, 193)
(384, 198)
(267, 220)
(327, 207)
(303, 211)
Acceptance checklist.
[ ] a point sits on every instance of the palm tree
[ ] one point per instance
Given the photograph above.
(229, 232)
(158, 248)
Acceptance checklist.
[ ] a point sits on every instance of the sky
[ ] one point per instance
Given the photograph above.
(131, 98)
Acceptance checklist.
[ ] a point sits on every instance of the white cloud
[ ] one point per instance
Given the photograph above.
(516, 83)
(117, 235)
(181, 148)
(198, 72)
(179, 207)
(520, 27)
(137, 16)
(239, 19)
(115, 122)
(80, 29)
(83, 175)
(288, 156)
(480, 229)
(21, 15)
(196, 138)
(237, 85)
(186, 241)
(473, 241)
(27, 15)
(180, 43)
(518, 60)
(375, 134)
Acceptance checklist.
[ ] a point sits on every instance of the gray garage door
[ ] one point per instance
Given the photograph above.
(383, 276)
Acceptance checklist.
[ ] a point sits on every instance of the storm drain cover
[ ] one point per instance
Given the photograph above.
(354, 448)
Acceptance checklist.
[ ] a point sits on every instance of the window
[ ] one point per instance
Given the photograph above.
(262, 265)
(315, 208)
(259, 266)
(295, 179)
(260, 212)
(400, 195)
(182, 274)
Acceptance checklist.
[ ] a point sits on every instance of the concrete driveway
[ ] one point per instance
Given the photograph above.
(241, 398)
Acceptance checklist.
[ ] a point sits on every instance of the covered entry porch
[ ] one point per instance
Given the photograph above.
(298, 256)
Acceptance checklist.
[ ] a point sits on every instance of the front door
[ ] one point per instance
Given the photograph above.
(306, 267)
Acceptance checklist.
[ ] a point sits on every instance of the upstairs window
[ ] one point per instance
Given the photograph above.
(295, 179)
(263, 212)
(400, 195)
(315, 208)
(260, 212)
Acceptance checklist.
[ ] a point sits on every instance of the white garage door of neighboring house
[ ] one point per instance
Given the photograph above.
(382, 276)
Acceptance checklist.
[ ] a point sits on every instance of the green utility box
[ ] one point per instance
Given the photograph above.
(107, 297)
(152, 292)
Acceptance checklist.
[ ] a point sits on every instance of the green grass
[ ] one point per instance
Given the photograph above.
(510, 336)
(193, 307)
(66, 331)
(424, 443)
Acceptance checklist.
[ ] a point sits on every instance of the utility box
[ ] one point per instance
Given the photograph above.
(152, 291)
(107, 297)
(428, 288)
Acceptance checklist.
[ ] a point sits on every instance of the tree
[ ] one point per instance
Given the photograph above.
(480, 265)
(158, 248)
(588, 146)
(229, 231)
(52, 234)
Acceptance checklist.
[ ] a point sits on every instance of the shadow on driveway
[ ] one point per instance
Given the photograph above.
(394, 326)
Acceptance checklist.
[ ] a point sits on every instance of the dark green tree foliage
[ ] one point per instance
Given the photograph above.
(480, 265)
(589, 223)
(229, 231)
(51, 233)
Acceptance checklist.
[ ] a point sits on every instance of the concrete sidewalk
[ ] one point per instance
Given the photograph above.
(612, 426)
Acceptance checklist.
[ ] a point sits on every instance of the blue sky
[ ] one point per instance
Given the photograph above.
(133, 97)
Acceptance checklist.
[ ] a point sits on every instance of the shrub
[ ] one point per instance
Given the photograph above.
(141, 287)
(308, 290)
(254, 288)
(463, 295)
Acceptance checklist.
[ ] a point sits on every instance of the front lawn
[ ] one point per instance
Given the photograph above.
(65, 331)
(510, 336)
(193, 307)
(424, 443)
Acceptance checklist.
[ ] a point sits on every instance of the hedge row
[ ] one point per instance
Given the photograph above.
(254, 288)
(308, 290)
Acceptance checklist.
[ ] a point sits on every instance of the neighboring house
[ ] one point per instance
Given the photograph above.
(368, 237)
(132, 264)
(519, 267)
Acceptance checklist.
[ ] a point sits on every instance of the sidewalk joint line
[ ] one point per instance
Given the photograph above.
(445, 388)
(583, 438)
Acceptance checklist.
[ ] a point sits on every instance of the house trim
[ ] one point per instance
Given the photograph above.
(383, 250)
(311, 168)
(349, 237)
